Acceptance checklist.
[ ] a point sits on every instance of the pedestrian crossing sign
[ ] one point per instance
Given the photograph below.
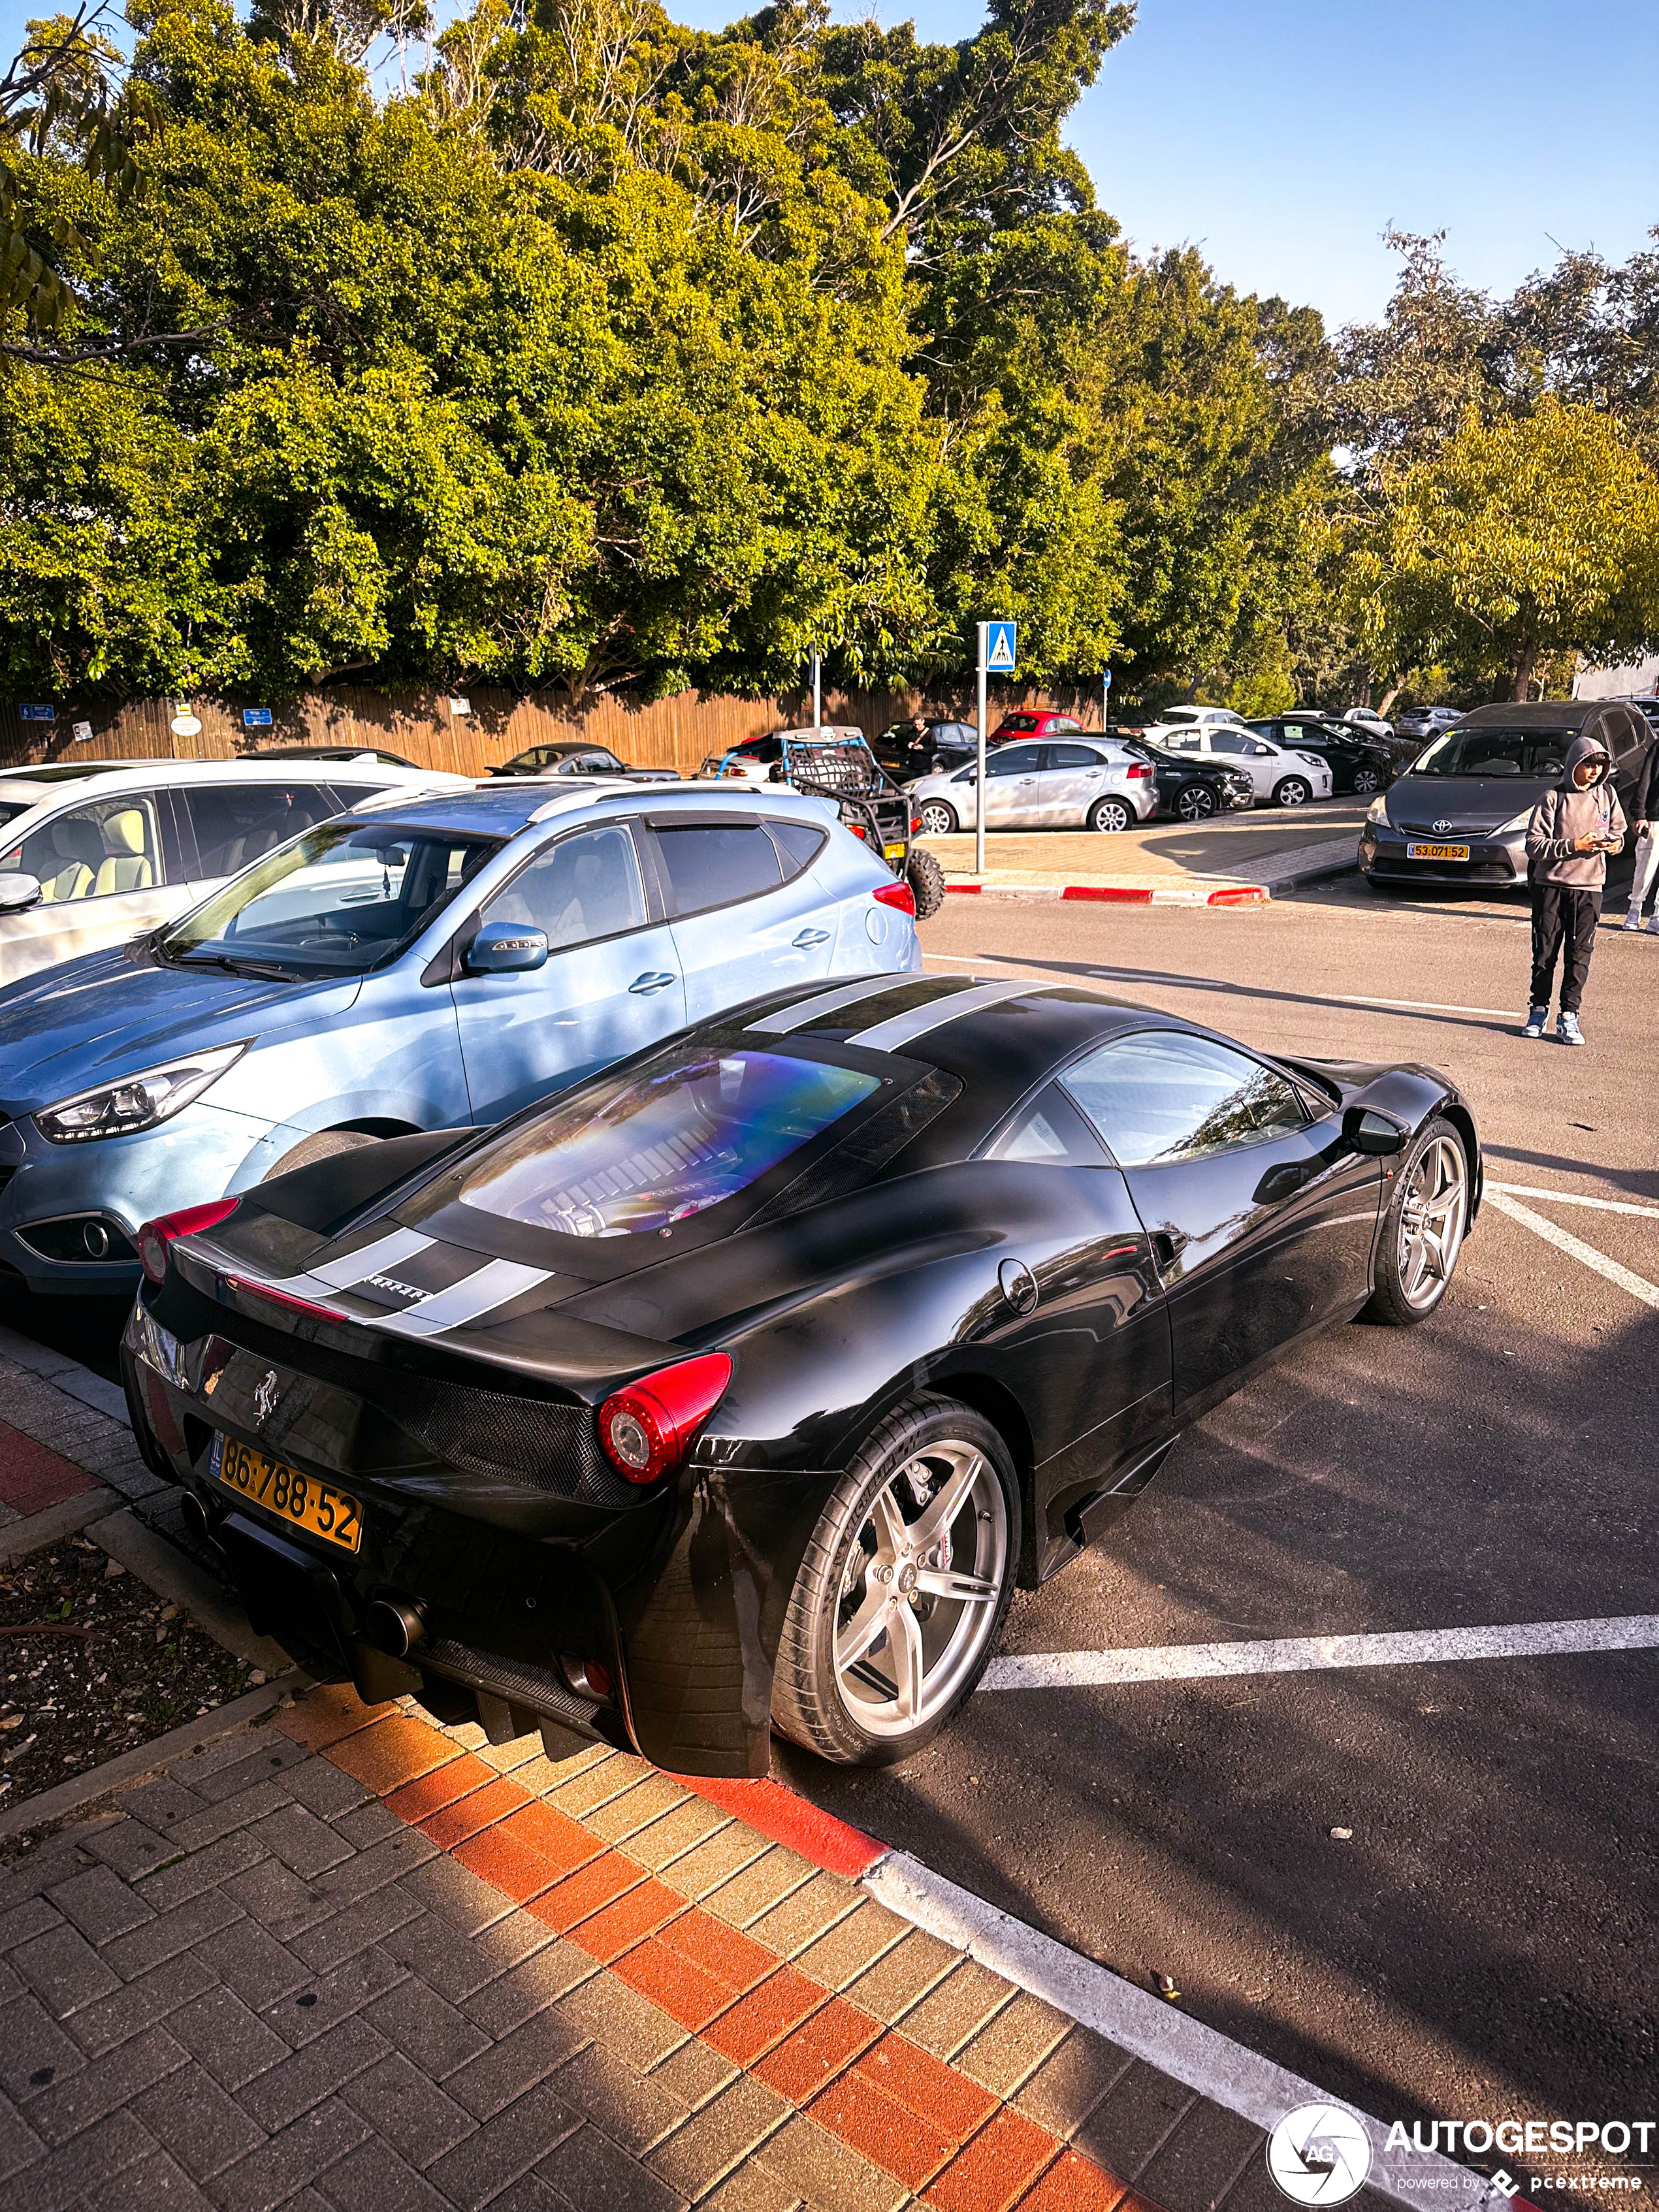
(1001, 641)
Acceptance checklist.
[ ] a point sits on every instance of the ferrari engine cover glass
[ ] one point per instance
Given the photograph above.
(672, 1143)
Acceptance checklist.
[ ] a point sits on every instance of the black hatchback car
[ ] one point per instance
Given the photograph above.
(1458, 814)
(1357, 763)
(738, 1386)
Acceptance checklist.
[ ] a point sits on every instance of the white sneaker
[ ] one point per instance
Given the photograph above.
(1653, 925)
(1633, 920)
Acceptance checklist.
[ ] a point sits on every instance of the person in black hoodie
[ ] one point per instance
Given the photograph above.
(1571, 832)
(1644, 815)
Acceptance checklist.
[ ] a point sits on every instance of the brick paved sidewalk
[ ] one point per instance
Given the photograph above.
(357, 1961)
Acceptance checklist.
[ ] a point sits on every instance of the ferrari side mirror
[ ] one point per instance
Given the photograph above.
(1368, 1131)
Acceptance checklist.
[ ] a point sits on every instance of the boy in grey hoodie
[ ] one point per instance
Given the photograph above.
(1572, 831)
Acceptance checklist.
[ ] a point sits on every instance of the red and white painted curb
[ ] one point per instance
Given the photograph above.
(1228, 2073)
(1121, 894)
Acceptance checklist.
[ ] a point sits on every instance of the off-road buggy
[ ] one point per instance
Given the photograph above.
(837, 764)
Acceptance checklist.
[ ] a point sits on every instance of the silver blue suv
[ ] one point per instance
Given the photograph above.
(410, 965)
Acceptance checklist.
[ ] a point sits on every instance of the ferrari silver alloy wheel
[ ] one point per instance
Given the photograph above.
(921, 1589)
(1431, 1221)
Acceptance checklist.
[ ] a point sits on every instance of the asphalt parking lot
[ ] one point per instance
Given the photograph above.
(1480, 1941)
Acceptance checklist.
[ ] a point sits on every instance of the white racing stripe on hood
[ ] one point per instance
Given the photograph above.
(949, 1006)
(370, 1260)
(805, 1013)
(476, 1294)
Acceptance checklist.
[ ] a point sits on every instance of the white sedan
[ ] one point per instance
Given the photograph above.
(1278, 773)
(1192, 717)
(1047, 787)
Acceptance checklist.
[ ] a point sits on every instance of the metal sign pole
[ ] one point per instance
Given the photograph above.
(817, 693)
(979, 788)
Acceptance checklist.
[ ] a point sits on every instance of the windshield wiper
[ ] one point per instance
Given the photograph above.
(255, 968)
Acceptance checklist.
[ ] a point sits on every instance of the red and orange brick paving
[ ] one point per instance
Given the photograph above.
(354, 1962)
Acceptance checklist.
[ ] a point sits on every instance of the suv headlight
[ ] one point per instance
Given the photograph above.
(137, 1101)
(1378, 809)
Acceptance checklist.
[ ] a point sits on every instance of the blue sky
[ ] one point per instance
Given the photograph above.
(1282, 136)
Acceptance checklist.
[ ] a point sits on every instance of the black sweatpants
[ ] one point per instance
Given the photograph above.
(1564, 919)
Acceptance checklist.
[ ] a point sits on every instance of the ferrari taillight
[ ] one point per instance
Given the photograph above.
(154, 1238)
(646, 1426)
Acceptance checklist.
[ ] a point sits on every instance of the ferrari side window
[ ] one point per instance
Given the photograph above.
(1164, 1095)
(1049, 1133)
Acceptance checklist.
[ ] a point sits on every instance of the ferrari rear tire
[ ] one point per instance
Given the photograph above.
(323, 1147)
(1424, 1224)
(927, 880)
(938, 820)
(901, 1596)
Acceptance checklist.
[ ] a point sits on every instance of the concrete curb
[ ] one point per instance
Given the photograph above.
(1122, 894)
(136, 1766)
(19, 1538)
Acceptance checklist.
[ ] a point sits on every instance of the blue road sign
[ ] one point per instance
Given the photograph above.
(1106, 679)
(256, 718)
(1001, 647)
(37, 713)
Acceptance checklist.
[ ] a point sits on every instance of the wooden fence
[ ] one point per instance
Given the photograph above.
(678, 732)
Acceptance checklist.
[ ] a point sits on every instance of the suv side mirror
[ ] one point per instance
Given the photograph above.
(1368, 1131)
(506, 948)
(19, 892)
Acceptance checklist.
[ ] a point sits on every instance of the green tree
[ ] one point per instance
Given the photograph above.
(1534, 535)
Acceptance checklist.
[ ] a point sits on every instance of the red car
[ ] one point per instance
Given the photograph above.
(1032, 722)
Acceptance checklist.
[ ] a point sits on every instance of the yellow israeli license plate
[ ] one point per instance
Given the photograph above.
(1437, 852)
(299, 1499)
(892, 852)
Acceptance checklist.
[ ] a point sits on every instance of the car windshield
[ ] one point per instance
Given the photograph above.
(693, 1129)
(11, 808)
(345, 897)
(1494, 751)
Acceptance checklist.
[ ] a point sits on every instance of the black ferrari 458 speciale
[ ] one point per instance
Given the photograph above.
(736, 1388)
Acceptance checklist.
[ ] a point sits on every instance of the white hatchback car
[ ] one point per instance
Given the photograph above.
(95, 852)
(1192, 717)
(1060, 784)
(1278, 773)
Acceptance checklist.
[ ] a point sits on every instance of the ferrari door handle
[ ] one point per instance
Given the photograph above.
(809, 937)
(1167, 1245)
(643, 986)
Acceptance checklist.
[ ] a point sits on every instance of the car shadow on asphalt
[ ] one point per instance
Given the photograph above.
(1094, 971)
(1483, 1935)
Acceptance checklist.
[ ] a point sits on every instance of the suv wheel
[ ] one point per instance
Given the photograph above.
(1194, 802)
(1109, 814)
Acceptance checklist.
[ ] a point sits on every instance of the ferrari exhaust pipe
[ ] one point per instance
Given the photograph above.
(394, 1625)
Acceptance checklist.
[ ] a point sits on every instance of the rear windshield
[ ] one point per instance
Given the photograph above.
(697, 1129)
(1492, 751)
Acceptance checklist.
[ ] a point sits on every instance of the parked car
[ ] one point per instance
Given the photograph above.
(1284, 774)
(364, 755)
(1033, 722)
(1192, 790)
(1458, 814)
(1421, 722)
(1355, 763)
(1648, 708)
(837, 762)
(572, 758)
(1368, 718)
(1193, 718)
(736, 1390)
(1081, 783)
(418, 967)
(906, 751)
(92, 852)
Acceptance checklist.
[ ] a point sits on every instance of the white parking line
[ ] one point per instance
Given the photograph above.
(1285, 1655)
(1573, 1198)
(1637, 1285)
